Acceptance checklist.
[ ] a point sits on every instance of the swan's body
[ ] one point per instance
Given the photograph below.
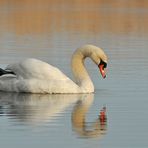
(35, 76)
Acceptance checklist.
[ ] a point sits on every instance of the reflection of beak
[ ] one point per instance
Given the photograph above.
(102, 70)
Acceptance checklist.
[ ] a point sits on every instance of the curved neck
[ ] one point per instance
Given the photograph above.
(82, 78)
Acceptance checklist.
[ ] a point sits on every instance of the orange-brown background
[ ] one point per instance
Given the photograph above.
(43, 16)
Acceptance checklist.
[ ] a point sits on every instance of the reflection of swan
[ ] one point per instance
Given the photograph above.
(83, 128)
(35, 76)
(36, 109)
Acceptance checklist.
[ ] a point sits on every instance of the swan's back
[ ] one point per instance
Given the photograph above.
(36, 69)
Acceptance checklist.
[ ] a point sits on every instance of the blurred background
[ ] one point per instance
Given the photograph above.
(39, 25)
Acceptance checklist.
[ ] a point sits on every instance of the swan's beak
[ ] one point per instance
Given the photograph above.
(102, 70)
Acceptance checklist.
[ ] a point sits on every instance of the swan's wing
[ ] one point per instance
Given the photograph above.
(33, 68)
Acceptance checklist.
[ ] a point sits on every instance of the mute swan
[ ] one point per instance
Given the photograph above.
(35, 76)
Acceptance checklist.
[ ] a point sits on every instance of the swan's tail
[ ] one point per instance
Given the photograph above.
(4, 72)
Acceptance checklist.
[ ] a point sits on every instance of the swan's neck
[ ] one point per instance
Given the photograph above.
(82, 78)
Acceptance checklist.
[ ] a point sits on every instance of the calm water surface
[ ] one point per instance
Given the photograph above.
(51, 30)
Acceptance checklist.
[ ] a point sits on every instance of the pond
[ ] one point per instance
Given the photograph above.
(51, 30)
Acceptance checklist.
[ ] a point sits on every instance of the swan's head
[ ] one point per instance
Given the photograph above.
(97, 55)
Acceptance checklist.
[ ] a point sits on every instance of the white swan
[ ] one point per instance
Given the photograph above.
(35, 76)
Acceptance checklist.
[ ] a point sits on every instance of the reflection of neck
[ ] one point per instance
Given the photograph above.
(80, 73)
(79, 122)
(80, 110)
(79, 113)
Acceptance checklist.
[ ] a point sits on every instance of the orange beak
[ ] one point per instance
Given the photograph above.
(102, 71)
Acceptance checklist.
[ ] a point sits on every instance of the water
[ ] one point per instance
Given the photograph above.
(51, 31)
